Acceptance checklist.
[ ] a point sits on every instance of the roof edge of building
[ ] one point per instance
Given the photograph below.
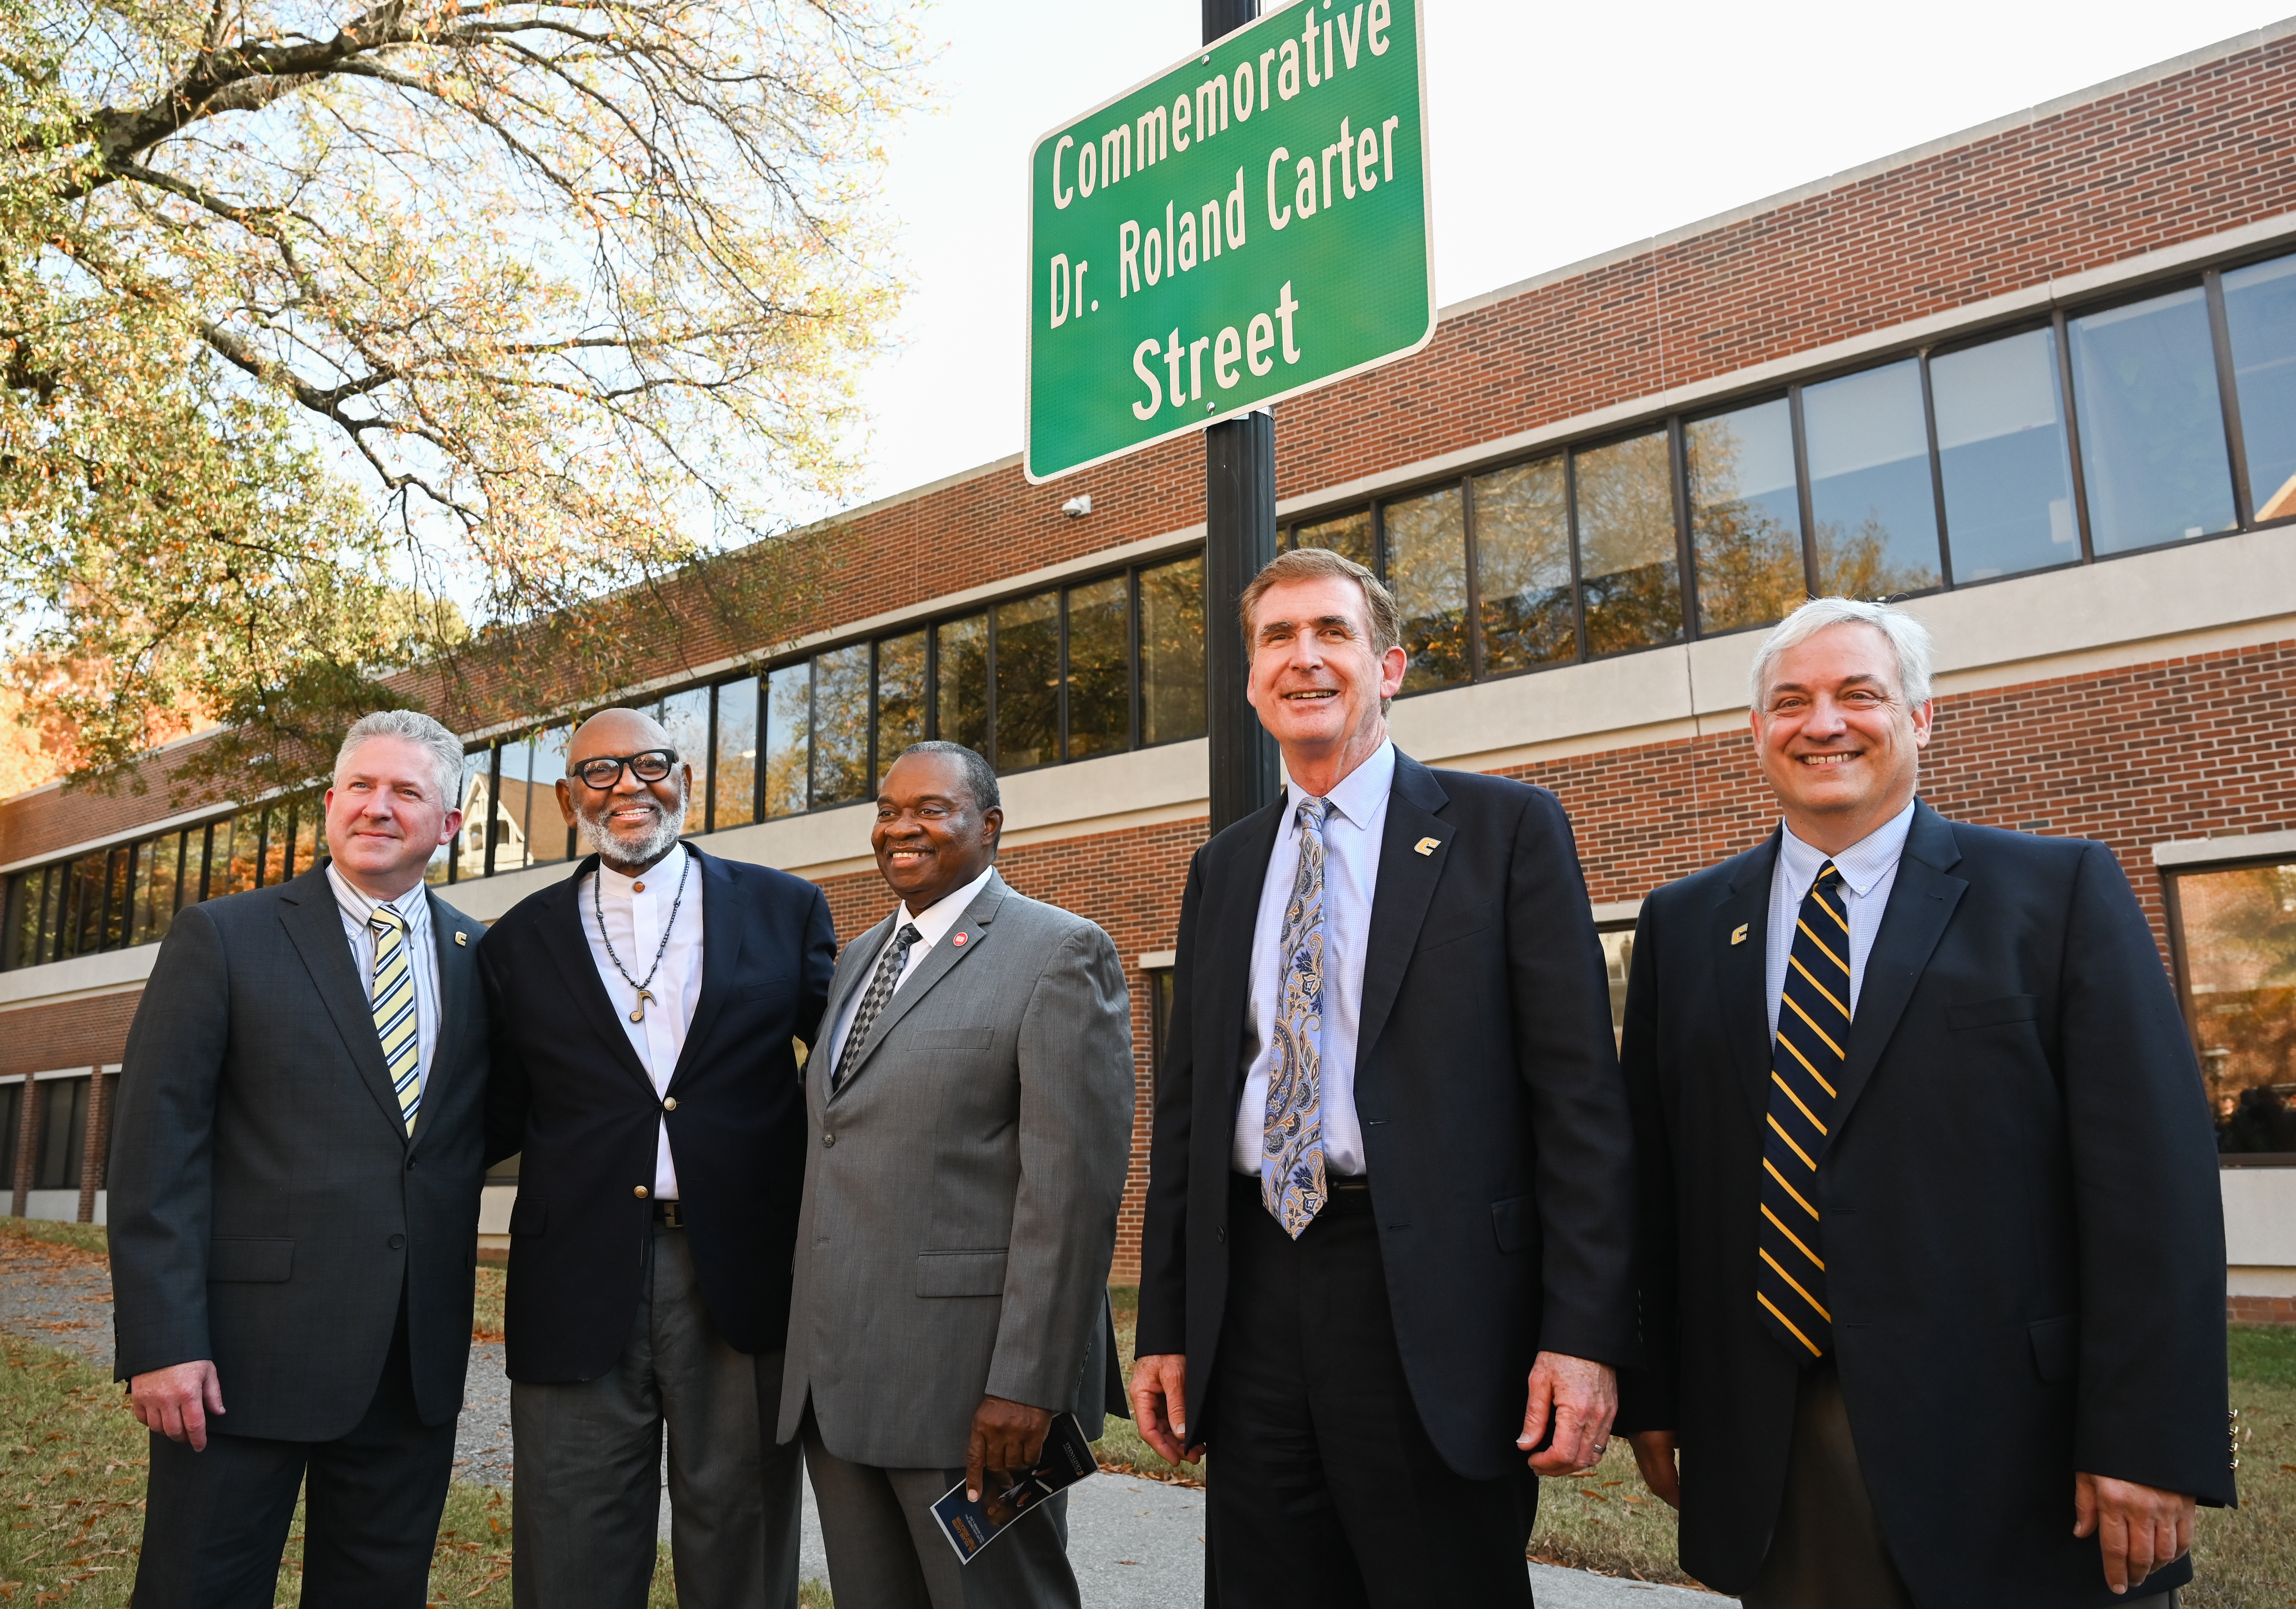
(2252, 39)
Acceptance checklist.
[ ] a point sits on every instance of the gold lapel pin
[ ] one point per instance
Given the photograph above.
(1738, 936)
(1428, 845)
(460, 937)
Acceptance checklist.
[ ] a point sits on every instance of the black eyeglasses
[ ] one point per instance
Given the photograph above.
(602, 771)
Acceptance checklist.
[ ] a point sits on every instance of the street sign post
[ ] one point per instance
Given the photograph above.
(1244, 227)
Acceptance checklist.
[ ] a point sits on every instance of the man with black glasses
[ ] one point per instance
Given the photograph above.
(644, 1013)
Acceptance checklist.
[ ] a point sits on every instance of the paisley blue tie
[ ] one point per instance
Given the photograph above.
(1291, 1147)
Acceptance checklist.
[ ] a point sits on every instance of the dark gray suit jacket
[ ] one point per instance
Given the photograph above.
(266, 1206)
(961, 1189)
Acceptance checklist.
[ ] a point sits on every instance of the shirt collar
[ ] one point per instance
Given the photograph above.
(662, 875)
(1360, 792)
(1861, 865)
(361, 909)
(944, 912)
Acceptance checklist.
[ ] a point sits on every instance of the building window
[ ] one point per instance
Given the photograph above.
(1160, 1017)
(61, 1113)
(2235, 944)
(2150, 422)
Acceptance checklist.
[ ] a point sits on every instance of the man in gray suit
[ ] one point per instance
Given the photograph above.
(973, 1114)
(295, 1174)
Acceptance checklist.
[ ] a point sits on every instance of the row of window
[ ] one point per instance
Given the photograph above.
(1094, 668)
(59, 1116)
(2149, 423)
(128, 893)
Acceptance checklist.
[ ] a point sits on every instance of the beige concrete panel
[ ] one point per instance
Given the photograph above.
(1544, 706)
(2260, 1210)
(82, 975)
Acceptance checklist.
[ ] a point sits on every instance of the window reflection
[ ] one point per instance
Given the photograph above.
(1100, 679)
(1172, 651)
(962, 682)
(840, 726)
(2001, 450)
(512, 807)
(900, 697)
(1628, 571)
(1522, 568)
(1348, 535)
(733, 778)
(1745, 517)
(1028, 682)
(2239, 932)
(2260, 313)
(789, 721)
(547, 840)
(1871, 498)
(2151, 428)
(1427, 571)
(470, 843)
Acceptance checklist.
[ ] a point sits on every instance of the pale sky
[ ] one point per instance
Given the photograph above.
(1556, 133)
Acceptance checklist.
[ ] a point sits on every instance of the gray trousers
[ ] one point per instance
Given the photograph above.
(586, 1482)
(886, 1551)
(1828, 1550)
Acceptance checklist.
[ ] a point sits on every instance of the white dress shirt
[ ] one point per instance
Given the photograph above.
(1869, 871)
(1352, 829)
(634, 910)
(414, 908)
(932, 925)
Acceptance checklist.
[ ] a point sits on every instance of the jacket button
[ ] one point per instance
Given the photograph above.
(671, 1104)
(829, 1140)
(641, 1192)
(398, 1243)
(1219, 1233)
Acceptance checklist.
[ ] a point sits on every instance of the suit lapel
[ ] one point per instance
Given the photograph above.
(315, 924)
(943, 958)
(1921, 902)
(1232, 926)
(565, 935)
(724, 911)
(459, 986)
(1740, 936)
(1406, 884)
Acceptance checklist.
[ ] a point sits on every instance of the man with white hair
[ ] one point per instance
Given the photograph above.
(295, 1172)
(643, 1013)
(1932, 1252)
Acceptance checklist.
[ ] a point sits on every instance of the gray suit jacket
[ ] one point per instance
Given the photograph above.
(268, 1208)
(961, 1189)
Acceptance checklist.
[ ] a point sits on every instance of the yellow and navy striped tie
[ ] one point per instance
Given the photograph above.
(1805, 1073)
(396, 1020)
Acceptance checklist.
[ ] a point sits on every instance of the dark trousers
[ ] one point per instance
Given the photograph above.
(217, 1520)
(1324, 1486)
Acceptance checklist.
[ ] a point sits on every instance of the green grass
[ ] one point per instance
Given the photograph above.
(79, 1236)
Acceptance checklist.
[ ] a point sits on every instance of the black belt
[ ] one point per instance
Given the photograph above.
(1345, 1192)
(670, 1214)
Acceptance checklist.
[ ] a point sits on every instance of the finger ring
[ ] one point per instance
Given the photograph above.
(1600, 1450)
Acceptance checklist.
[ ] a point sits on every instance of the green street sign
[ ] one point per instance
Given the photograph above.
(1244, 227)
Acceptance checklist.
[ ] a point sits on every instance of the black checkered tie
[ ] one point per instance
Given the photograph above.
(872, 1001)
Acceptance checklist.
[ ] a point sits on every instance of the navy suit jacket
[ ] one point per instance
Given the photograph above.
(1494, 1125)
(571, 1097)
(2022, 1226)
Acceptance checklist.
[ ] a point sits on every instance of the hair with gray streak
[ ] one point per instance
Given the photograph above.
(980, 775)
(1909, 639)
(412, 726)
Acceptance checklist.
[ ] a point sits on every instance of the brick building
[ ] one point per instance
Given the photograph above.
(2038, 377)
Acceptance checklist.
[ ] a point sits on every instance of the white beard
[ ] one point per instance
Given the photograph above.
(668, 827)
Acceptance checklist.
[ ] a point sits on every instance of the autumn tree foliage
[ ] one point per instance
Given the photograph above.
(316, 317)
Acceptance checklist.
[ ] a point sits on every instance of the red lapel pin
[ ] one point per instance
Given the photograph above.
(956, 938)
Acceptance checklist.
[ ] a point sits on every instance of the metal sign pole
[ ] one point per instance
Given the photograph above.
(1239, 538)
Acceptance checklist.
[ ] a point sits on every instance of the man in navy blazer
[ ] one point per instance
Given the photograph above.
(645, 1010)
(1387, 1269)
(1934, 1258)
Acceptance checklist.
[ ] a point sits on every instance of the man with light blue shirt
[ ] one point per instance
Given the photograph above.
(1932, 1251)
(1386, 1268)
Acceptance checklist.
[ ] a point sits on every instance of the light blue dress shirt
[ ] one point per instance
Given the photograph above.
(1869, 871)
(1352, 831)
(413, 909)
